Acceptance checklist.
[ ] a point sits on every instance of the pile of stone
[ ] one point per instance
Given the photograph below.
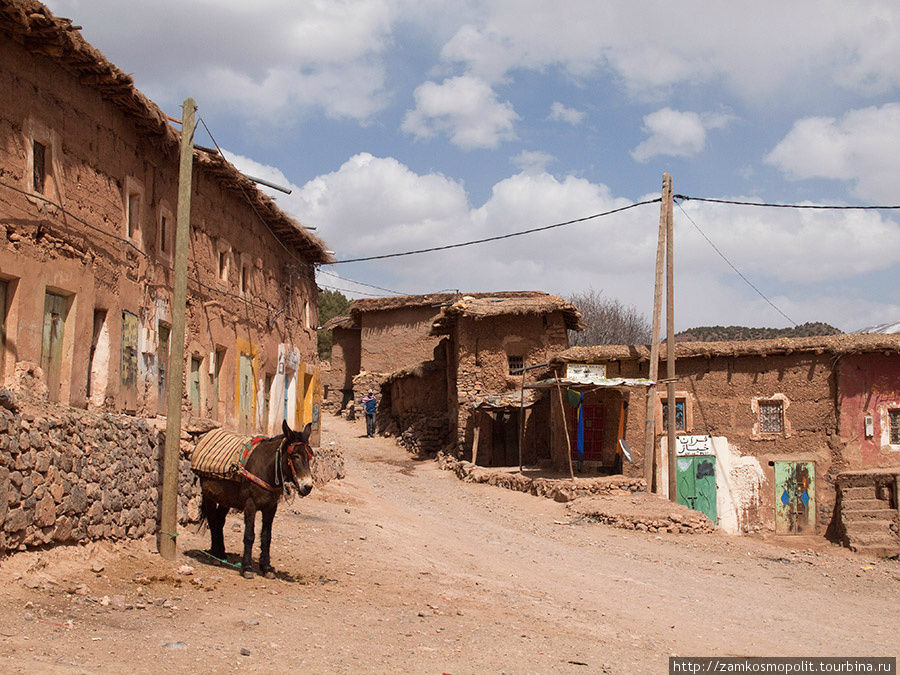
(422, 434)
(645, 513)
(559, 489)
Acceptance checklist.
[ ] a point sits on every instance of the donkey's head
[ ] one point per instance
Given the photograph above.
(297, 458)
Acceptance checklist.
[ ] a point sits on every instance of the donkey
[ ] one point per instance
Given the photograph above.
(259, 486)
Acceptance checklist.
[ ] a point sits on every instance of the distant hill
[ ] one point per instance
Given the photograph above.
(740, 333)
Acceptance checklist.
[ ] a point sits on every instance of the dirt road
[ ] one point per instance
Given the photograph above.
(400, 567)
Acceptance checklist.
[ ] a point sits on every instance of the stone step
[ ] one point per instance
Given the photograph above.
(877, 551)
(868, 525)
(858, 504)
(874, 539)
(853, 515)
(866, 492)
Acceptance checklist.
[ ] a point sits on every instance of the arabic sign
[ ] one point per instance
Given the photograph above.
(690, 446)
(585, 372)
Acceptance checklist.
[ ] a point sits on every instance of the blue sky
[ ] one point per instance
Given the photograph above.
(405, 124)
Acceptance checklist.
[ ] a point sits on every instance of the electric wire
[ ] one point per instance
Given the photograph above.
(344, 290)
(361, 283)
(498, 237)
(730, 264)
(823, 207)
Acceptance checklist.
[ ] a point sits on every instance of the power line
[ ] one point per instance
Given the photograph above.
(498, 237)
(344, 290)
(731, 265)
(786, 206)
(361, 283)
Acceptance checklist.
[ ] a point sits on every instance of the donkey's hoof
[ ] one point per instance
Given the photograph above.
(270, 574)
(248, 574)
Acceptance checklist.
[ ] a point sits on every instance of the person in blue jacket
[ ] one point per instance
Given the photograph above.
(370, 404)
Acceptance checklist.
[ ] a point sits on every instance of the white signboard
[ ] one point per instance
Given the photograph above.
(690, 446)
(585, 372)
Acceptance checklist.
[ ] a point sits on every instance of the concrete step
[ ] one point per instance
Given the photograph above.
(859, 504)
(853, 515)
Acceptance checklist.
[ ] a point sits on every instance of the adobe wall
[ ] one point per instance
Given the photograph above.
(97, 158)
(483, 345)
(719, 393)
(868, 385)
(413, 408)
(70, 476)
(345, 355)
(394, 339)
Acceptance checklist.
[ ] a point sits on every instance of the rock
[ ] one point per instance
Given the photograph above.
(251, 622)
(97, 567)
(175, 645)
(245, 651)
(185, 570)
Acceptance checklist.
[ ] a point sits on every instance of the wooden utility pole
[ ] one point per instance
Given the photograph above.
(670, 345)
(650, 421)
(168, 522)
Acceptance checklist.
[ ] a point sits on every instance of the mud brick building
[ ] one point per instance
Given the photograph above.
(797, 435)
(88, 190)
(471, 387)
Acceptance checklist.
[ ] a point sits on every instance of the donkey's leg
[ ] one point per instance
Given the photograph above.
(215, 519)
(249, 536)
(265, 542)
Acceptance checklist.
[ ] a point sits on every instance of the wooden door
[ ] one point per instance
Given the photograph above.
(129, 366)
(162, 359)
(246, 399)
(55, 309)
(696, 484)
(795, 497)
(194, 386)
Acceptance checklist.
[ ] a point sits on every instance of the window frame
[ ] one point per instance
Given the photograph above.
(510, 367)
(756, 405)
(662, 398)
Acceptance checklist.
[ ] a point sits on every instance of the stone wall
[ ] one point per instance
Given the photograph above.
(70, 476)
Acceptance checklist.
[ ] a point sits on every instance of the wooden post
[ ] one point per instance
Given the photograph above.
(562, 411)
(522, 418)
(168, 521)
(670, 345)
(476, 437)
(650, 420)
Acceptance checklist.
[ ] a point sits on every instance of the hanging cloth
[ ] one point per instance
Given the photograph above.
(580, 435)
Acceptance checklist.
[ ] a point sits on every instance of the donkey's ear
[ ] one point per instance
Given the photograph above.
(285, 428)
(307, 430)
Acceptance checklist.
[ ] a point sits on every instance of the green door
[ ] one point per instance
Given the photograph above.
(51, 348)
(696, 484)
(246, 394)
(795, 497)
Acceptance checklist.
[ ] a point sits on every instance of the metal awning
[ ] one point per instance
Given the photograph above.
(604, 382)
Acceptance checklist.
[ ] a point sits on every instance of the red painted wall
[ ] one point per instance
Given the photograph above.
(868, 384)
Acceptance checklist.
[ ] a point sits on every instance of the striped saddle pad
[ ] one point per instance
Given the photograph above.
(220, 453)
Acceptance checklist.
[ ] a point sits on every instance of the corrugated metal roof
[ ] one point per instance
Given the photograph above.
(884, 328)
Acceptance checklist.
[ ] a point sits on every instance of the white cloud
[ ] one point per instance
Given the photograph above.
(676, 133)
(753, 49)
(373, 205)
(560, 113)
(274, 58)
(531, 161)
(466, 109)
(859, 148)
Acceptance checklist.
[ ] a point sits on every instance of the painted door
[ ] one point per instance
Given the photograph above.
(162, 359)
(194, 386)
(129, 365)
(795, 497)
(52, 345)
(696, 484)
(593, 432)
(246, 400)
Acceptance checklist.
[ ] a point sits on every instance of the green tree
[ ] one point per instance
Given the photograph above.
(331, 304)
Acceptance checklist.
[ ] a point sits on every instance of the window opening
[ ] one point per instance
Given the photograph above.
(771, 417)
(194, 386)
(39, 166)
(244, 274)
(223, 265)
(894, 423)
(679, 414)
(516, 363)
(132, 218)
(163, 234)
(217, 373)
(99, 346)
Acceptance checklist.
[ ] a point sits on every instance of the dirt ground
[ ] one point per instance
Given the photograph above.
(401, 567)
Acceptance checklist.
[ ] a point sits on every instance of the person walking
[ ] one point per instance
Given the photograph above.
(370, 404)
